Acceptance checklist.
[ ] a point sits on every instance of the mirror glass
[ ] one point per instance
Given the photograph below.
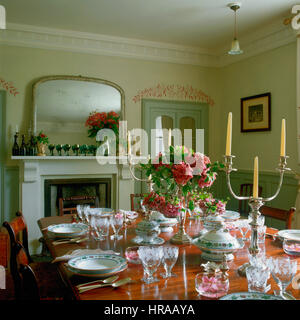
(62, 106)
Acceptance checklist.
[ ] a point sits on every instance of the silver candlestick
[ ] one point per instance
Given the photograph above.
(254, 203)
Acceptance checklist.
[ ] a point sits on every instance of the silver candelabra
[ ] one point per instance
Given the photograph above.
(254, 203)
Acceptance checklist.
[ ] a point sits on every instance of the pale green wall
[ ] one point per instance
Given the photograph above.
(273, 71)
(24, 66)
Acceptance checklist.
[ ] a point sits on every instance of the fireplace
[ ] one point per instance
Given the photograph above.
(66, 188)
(41, 175)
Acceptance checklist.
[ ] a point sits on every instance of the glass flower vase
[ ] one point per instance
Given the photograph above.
(181, 237)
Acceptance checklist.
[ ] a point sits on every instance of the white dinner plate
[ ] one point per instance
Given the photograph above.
(293, 234)
(98, 275)
(97, 264)
(67, 230)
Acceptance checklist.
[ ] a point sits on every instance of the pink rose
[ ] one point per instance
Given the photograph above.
(182, 173)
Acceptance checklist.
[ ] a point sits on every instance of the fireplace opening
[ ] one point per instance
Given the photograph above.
(100, 188)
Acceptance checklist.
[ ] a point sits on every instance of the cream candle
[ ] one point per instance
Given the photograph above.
(170, 138)
(229, 135)
(255, 178)
(283, 138)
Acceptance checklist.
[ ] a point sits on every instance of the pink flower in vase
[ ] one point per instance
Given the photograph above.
(197, 163)
(221, 207)
(182, 173)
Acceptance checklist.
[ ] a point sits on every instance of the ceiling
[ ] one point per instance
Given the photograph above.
(206, 24)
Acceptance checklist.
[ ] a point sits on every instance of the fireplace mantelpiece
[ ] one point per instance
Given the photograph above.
(35, 170)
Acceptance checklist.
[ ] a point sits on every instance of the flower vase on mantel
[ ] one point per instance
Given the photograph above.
(42, 141)
(41, 149)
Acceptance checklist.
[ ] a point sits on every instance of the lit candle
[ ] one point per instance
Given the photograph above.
(282, 146)
(255, 178)
(129, 143)
(170, 137)
(229, 133)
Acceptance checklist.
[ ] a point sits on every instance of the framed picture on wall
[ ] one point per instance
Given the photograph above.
(256, 113)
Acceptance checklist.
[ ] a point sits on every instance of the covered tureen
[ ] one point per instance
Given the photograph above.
(217, 241)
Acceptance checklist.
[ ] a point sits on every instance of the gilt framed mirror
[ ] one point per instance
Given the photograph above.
(62, 104)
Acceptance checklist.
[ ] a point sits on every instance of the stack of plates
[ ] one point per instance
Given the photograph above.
(98, 265)
(291, 234)
(67, 230)
(230, 215)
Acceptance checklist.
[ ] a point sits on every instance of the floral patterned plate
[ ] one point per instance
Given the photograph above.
(250, 296)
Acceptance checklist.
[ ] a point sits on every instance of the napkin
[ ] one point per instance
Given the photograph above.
(80, 252)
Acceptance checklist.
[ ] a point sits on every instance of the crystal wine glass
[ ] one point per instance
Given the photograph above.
(283, 270)
(151, 257)
(116, 222)
(244, 227)
(99, 226)
(170, 256)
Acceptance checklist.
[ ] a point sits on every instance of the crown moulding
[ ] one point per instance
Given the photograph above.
(55, 39)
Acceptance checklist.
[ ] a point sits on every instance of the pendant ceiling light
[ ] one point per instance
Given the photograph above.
(2, 18)
(235, 46)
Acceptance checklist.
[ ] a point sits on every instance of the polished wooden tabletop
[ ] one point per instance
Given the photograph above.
(187, 267)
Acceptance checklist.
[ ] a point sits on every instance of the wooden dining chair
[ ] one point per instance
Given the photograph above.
(47, 273)
(246, 190)
(39, 281)
(6, 280)
(279, 214)
(68, 205)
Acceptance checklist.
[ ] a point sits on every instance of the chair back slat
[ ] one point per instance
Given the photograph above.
(93, 200)
(279, 214)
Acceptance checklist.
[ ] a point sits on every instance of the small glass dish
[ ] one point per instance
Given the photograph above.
(132, 255)
(291, 247)
(211, 285)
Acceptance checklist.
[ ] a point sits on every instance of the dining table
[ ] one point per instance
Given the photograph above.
(188, 265)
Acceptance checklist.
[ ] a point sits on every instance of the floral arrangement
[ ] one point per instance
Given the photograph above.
(208, 203)
(178, 176)
(102, 120)
(42, 138)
